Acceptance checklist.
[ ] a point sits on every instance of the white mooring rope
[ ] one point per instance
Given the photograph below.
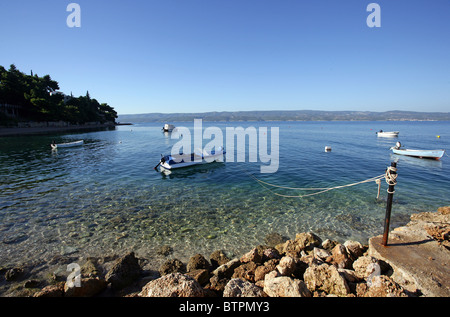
(391, 179)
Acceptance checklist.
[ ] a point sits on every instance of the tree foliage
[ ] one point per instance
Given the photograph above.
(40, 101)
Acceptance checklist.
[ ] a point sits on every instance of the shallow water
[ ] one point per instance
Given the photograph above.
(106, 198)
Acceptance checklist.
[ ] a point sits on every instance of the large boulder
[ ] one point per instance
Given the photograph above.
(172, 266)
(124, 272)
(196, 262)
(283, 286)
(89, 287)
(237, 287)
(305, 241)
(326, 278)
(173, 285)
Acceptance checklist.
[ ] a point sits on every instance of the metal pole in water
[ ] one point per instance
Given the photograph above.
(387, 218)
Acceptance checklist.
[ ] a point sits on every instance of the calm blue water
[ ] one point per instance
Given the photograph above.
(105, 198)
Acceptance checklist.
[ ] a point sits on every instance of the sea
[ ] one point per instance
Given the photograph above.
(105, 197)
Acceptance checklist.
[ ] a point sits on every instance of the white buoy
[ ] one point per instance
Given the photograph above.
(328, 149)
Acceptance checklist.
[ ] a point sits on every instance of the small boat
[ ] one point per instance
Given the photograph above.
(431, 154)
(168, 127)
(387, 134)
(64, 145)
(170, 162)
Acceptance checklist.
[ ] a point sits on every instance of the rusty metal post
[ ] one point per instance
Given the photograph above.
(387, 218)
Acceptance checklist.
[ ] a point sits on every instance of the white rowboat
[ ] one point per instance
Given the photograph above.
(64, 145)
(389, 134)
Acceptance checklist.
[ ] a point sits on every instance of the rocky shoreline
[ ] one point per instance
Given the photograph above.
(305, 266)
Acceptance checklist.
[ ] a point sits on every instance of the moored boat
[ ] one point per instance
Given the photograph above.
(387, 134)
(168, 127)
(68, 144)
(170, 162)
(431, 154)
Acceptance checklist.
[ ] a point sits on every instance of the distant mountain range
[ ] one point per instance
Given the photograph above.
(287, 115)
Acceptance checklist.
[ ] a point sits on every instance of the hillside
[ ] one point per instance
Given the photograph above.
(294, 115)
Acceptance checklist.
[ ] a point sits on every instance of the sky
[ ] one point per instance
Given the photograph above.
(236, 55)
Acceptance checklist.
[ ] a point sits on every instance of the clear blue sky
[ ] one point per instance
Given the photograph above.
(229, 55)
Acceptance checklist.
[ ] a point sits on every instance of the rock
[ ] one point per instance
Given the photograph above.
(307, 240)
(200, 275)
(217, 284)
(14, 239)
(51, 291)
(303, 241)
(172, 266)
(217, 258)
(237, 287)
(272, 239)
(382, 286)
(226, 270)
(361, 266)
(246, 271)
(31, 284)
(88, 287)
(329, 244)
(321, 254)
(14, 274)
(354, 248)
(341, 257)
(326, 278)
(165, 250)
(287, 266)
(173, 285)
(262, 270)
(270, 253)
(444, 210)
(252, 256)
(124, 271)
(197, 262)
(349, 275)
(91, 269)
(284, 286)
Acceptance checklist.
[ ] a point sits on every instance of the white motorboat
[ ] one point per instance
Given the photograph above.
(431, 154)
(68, 144)
(168, 127)
(170, 162)
(387, 134)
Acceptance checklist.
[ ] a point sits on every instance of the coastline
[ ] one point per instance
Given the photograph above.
(17, 131)
(414, 264)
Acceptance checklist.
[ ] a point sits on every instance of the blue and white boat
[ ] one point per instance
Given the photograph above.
(431, 154)
(170, 162)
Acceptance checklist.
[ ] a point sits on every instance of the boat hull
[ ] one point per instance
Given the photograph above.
(431, 154)
(170, 162)
(391, 134)
(66, 145)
